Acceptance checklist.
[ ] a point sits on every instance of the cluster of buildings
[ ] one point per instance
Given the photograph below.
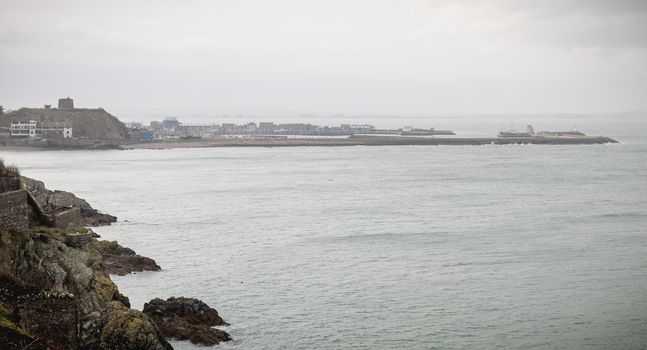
(34, 129)
(172, 128)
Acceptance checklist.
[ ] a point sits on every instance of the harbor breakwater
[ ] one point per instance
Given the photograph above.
(368, 141)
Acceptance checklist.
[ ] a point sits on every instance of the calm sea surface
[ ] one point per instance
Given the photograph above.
(421, 247)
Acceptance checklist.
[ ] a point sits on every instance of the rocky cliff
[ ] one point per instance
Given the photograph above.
(55, 291)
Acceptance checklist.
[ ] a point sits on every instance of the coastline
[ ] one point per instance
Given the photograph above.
(328, 142)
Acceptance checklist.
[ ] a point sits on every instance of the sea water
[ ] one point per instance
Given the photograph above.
(405, 247)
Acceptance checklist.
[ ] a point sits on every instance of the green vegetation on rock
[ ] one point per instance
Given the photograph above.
(105, 287)
(9, 171)
(7, 324)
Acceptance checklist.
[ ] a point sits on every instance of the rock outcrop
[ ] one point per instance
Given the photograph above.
(61, 298)
(187, 319)
(55, 291)
(118, 260)
(53, 200)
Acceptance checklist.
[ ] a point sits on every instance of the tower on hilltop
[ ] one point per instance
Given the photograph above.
(65, 103)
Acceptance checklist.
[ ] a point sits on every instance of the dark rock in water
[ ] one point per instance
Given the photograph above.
(187, 319)
(192, 310)
(92, 217)
(53, 200)
(119, 260)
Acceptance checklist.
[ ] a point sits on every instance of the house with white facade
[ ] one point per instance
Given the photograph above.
(34, 129)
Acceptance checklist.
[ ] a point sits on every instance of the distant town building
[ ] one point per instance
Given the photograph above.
(362, 129)
(195, 130)
(23, 129)
(265, 128)
(296, 129)
(228, 128)
(170, 127)
(170, 123)
(34, 129)
(139, 133)
(65, 103)
(250, 128)
(134, 125)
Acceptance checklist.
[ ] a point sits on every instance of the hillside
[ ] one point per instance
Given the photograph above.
(85, 122)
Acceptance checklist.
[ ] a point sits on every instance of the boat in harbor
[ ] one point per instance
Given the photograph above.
(411, 131)
(530, 132)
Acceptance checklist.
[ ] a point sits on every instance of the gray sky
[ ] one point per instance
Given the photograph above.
(141, 57)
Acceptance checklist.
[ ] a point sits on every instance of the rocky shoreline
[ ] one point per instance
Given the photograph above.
(55, 288)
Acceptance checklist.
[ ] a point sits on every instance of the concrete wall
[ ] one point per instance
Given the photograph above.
(67, 218)
(61, 142)
(14, 211)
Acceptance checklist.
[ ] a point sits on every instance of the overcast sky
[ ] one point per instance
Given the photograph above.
(140, 57)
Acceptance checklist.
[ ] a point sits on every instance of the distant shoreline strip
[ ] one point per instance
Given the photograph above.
(368, 141)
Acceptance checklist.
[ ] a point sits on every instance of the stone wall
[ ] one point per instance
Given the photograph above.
(14, 211)
(9, 184)
(87, 143)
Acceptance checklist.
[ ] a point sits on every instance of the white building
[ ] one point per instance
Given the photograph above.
(34, 129)
(23, 129)
(362, 129)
